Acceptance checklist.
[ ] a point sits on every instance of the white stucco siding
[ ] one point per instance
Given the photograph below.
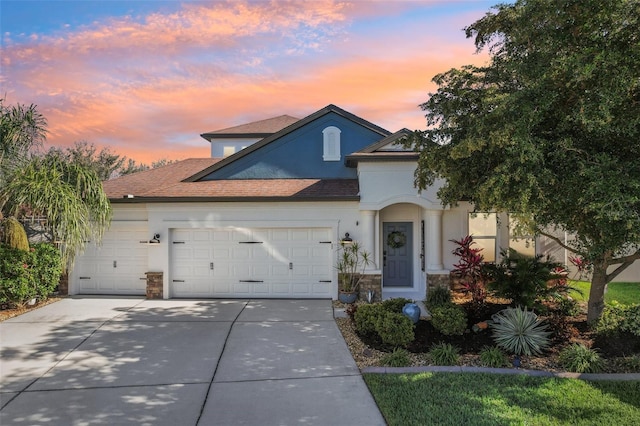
(385, 183)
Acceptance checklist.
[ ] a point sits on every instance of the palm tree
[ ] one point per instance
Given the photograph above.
(69, 194)
(22, 130)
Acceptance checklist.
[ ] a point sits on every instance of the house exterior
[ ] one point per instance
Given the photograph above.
(265, 217)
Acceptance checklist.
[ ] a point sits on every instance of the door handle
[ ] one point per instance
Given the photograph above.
(211, 266)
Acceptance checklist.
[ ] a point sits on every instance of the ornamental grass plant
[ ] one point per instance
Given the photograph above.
(518, 331)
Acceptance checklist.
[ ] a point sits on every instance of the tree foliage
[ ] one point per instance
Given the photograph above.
(22, 131)
(66, 190)
(68, 194)
(549, 128)
(105, 162)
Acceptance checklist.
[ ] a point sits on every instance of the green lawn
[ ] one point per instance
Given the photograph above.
(494, 399)
(625, 293)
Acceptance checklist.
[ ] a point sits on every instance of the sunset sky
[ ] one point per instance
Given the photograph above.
(146, 78)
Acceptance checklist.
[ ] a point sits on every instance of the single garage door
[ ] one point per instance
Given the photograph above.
(242, 263)
(117, 266)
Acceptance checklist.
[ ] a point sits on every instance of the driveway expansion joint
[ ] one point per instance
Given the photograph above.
(215, 370)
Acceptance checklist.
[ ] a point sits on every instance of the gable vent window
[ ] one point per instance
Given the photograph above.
(331, 138)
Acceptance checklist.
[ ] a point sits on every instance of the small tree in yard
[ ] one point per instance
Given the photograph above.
(549, 128)
(470, 269)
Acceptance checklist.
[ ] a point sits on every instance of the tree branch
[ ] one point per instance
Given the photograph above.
(559, 241)
(625, 262)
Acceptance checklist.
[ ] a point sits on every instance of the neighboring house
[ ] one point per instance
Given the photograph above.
(266, 221)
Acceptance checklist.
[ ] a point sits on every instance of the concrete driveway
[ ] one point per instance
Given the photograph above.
(124, 361)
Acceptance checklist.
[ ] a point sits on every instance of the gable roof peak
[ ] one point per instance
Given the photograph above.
(331, 108)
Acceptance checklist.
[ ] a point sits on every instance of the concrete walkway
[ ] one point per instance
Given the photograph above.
(124, 361)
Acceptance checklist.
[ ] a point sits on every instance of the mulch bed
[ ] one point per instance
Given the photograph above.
(367, 350)
(9, 311)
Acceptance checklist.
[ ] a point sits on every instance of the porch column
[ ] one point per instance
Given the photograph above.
(433, 239)
(368, 234)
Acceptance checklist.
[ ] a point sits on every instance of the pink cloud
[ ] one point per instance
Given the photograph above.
(148, 87)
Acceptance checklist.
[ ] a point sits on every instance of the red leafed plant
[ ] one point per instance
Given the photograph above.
(470, 268)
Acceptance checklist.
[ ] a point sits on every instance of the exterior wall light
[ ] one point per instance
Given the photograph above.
(346, 239)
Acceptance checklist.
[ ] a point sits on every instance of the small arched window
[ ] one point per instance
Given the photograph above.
(331, 138)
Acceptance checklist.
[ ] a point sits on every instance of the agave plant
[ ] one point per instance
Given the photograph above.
(518, 331)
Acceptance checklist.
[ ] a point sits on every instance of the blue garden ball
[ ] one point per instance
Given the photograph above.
(412, 311)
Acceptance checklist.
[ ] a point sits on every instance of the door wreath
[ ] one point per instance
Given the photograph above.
(396, 239)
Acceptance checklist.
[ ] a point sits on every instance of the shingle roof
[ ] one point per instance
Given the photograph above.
(148, 180)
(261, 127)
(166, 184)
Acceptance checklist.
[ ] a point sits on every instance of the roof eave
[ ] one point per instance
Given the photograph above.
(354, 159)
(210, 136)
(139, 200)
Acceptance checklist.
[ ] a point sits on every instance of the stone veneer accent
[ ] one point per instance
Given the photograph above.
(371, 282)
(438, 280)
(154, 285)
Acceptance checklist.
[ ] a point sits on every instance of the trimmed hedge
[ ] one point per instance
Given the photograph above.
(449, 319)
(25, 275)
(384, 321)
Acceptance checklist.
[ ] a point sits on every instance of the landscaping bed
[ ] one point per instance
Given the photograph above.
(620, 351)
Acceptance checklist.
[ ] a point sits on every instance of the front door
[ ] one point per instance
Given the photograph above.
(397, 258)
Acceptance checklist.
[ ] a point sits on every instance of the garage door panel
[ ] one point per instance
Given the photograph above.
(94, 271)
(241, 252)
(242, 256)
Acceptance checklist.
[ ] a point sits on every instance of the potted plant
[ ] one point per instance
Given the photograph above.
(352, 261)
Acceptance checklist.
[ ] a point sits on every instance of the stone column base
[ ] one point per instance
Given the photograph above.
(371, 282)
(438, 280)
(154, 285)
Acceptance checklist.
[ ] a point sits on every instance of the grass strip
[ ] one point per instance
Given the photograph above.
(493, 399)
(624, 293)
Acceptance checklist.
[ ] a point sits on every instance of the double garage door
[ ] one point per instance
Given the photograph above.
(115, 267)
(257, 262)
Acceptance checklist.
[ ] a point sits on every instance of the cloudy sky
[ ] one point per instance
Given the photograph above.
(146, 78)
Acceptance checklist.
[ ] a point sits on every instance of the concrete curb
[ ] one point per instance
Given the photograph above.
(535, 373)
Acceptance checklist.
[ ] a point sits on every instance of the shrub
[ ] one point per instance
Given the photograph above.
(518, 331)
(491, 356)
(438, 296)
(580, 359)
(395, 304)
(470, 268)
(629, 364)
(444, 354)
(366, 318)
(14, 234)
(16, 282)
(28, 274)
(449, 319)
(524, 280)
(395, 329)
(617, 317)
(631, 321)
(46, 269)
(398, 358)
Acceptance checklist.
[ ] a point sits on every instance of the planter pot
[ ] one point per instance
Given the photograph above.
(347, 296)
(412, 311)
